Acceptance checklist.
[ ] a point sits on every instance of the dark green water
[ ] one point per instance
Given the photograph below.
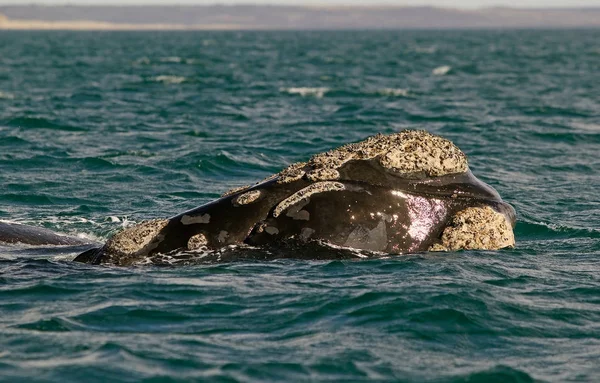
(101, 129)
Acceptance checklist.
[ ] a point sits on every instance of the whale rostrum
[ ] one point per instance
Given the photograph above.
(400, 193)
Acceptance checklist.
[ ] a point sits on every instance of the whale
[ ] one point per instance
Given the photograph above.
(15, 233)
(401, 193)
(405, 192)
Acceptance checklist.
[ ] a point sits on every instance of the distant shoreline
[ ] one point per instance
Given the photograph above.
(24, 25)
(90, 25)
(274, 17)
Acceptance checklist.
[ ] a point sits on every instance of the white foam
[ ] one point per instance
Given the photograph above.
(305, 91)
(169, 79)
(58, 221)
(89, 237)
(441, 70)
(564, 228)
(176, 257)
(396, 92)
(142, 61)
(6, 96)
(7, 257)
(125, 222)
(172, 59)
(65, 225)
(430, 49)
(360, 253)
(586, 126)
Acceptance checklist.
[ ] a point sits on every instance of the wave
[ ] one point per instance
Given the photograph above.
(13, 142)
(499, 373)
(318, 92)
(588, 137)
(171, 59)
(396, 92)
(6, 96)
(41, 123)
(168, 79)
(544, 230)
(589, 127)
(142, 61)
(228, 164)
(430, 49)
(441, 70)
(57, 221)
(87, 229)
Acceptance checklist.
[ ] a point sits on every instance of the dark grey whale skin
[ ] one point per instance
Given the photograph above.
(378, 210)
(13, 233)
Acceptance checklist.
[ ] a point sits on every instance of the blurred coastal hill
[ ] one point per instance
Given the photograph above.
(241, 17)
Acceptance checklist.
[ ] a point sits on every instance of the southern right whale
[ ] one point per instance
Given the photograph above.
(401, 193)
(30, 235)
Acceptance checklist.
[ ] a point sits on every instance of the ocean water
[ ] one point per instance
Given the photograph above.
(99, 130)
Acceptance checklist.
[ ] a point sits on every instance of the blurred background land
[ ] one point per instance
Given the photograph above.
(222, 17)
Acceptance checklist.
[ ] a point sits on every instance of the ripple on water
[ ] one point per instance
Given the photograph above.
(41, 123)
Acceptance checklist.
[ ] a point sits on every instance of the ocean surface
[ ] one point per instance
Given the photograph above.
(99, 130)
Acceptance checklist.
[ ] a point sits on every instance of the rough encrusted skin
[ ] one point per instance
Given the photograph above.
(292, 173)
(476, 228)
(197, 241)
(246, 198)
(411, 153)
(134, 240)
(318, 187)
(418, 154)
(235, 190)
(323, 174)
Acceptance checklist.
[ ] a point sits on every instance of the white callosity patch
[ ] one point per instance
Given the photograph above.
(368, 239)
(271, 230)
(306, 233)
(318, 187)
(296, 211)
(477, 228)
(137, 238)
(247, 198)
(197, 241)
(190, 219)
(223, 235)
(411, 153)
(263, 227)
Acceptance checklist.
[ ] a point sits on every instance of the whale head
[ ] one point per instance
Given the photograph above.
(398, 193)
(405, 192)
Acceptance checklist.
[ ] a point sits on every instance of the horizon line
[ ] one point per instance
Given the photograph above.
(305, 5)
